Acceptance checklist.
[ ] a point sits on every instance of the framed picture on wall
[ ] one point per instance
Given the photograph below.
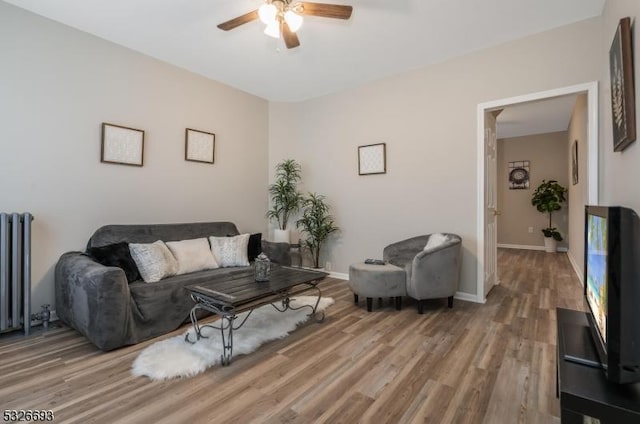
(519, 175)
(122, 145)
(199, 146)
(372, 159)
(574, 162)
(623, 103)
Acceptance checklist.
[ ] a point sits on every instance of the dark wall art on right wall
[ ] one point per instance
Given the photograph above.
(623, 107)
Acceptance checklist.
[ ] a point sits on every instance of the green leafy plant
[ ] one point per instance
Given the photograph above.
(316, 223)
(285, 198)
(548, 198)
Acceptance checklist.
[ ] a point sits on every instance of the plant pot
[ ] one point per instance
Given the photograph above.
(550, 245)
(281, 236)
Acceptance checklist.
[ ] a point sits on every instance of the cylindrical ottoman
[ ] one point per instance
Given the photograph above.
(377, 281)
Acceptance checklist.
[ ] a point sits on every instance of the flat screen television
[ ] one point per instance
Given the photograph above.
(612, 289)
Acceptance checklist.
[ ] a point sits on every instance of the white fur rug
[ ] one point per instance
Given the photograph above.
(176, 358)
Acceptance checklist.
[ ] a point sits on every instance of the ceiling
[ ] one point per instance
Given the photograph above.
(539, 117)
(383, 37)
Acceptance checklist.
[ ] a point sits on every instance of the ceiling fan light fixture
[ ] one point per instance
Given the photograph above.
(267, 13)
(273, 29)
(293, 20)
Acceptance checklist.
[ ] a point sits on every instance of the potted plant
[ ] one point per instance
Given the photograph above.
(548, 198)
(285, 198)
(317, 224)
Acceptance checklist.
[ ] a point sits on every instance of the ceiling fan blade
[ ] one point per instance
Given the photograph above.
(240, 20)
(325, 10)
(290, 37)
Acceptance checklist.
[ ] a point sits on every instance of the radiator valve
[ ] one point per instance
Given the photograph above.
(44, 315)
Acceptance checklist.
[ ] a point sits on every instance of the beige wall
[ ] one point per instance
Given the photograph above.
(578, 194)
(428, 119)
(58, 85)
(619, 171)
(547, 154)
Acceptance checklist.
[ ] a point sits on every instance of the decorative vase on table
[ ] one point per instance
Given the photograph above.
(263, 268)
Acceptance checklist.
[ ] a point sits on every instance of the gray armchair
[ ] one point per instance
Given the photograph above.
(431, 273)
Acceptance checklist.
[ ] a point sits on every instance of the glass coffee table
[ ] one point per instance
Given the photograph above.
(228, 298)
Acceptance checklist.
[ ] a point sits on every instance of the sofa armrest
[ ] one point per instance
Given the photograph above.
(279, 253)
(93, 299)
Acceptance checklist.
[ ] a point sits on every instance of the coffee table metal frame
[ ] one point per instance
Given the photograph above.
(223, 305)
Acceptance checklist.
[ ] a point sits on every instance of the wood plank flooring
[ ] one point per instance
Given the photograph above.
(491, 363)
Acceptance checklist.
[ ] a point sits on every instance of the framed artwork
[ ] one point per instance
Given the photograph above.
(623, 101)
(372, 159)
(574, 161)
(199, 146)
(519, 175)
(122, 145)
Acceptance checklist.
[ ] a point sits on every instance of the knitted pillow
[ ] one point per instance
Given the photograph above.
(154, 260)
(230, 251)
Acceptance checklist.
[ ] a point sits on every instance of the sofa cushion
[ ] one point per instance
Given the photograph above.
(169, 297)
(230, 251)
(117, 255)
(154, 260)
(192, 255)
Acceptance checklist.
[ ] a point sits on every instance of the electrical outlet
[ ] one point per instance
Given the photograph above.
(531, 229)
(327, 266)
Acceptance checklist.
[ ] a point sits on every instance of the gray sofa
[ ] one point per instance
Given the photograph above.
(98, 302)
(431, 274)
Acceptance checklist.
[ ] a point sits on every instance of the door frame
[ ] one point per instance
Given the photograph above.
(591, 88)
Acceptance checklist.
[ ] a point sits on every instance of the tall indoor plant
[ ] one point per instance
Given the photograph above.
(285, 197)
(316, 223)
(548, 198)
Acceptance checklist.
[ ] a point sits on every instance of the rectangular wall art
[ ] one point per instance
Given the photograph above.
(122, 145)
(199, 146)
(623, 103)
(519, 175)
(574, 162)
(372, 159)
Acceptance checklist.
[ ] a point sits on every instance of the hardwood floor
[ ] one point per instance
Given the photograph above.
(491, 363)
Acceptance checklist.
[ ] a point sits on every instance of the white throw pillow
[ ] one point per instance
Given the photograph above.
(230, 251)
(154, 260)
(192, 255)
(436, 240)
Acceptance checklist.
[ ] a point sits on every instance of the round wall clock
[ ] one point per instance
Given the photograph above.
(518, 175)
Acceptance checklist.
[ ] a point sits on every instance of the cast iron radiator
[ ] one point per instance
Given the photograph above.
(15, 272)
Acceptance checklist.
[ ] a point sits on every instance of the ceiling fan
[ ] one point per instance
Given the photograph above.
(284, 17)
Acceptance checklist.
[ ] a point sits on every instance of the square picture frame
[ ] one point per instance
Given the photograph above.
(199, 146)
(122, 145)
(372, 159)
(518, 174)
(623, 104)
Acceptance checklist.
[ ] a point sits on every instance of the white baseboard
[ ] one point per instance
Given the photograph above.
(467, 297)
(527, 247)
(339, 275)
(575, 267)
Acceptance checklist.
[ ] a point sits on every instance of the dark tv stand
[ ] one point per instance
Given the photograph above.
(581, 384)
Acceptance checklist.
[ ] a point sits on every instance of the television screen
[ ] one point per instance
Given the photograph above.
(596, 256)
